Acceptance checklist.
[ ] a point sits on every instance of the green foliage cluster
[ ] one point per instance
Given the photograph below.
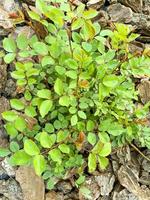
(78, 96)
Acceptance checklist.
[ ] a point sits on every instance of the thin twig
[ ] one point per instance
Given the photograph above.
(144, 156)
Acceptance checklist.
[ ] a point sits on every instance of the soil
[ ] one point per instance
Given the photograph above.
(128, 175)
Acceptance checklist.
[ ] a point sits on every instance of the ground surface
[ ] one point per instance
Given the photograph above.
(128, 176)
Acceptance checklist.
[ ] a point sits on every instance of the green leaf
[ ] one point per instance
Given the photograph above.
(82, 115)
(74, 120)
(72, 64)
(106, 150)
(9, 44)
(103, 162)
(14, 146)
(56, 155)
(40, 48)
(77, 24)
(64, 148)
(47, 140)
(72, 74)
(88, 31)
(55, 50)
(8, 58)
(58, 86)
(20, 158)
(11, 130)
(49, 128)
(30, 111)
(62, 135)
(91, 138)
(104, 137)
(31, 148)
(17, 104)
(89, 14)
(56, 15)
(110, 81)
(39, 164)
(60, 70)
(27, 95)
(64, 101)
(92, 162)
(80, 180)
(90, 125)
(4, 152)
(34, 15)
(20, 124)
(22, 41)
(104, 33)
(45, 107)
(47, 60)
(44, 94)
(9, 116)
(18, 74)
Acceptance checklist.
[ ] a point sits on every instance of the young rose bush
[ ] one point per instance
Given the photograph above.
(78, 95)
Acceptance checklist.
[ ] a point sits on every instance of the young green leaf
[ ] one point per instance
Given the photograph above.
(9, 57)
(56, 155)
(31, 148)
(64, 101)
(45, 107)
(110, 81)
(47, 60)
(9, 116)
(47, 140)
(74, 120)
(103, 162)
(22, 41)
(58, 86)
(40, 48)
(39, 164)
(92, 162)
(62, 135)
(11, 130)
(14, 146)
(91, 138)
(20, 158)
(89, 14)
(20, 124)
(44, 94)
(4, 152)
(9, 44)
(17, 104)
(106, 150)
(82, 115)
(64, 148)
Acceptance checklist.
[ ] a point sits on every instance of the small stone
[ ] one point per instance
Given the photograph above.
(10, 189)
(4, 105)
(5, 21)
(135, 5)
(3, 138)
(124, 195)
(120, 13)
(64, 186)
(9, 5)
(144, 90)
(8, 168)
(3, 174)
(3, 75)
(10, 88)
(92, 186)
(52, 195)
(31, 184)
(106, 182)
(95, 3)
